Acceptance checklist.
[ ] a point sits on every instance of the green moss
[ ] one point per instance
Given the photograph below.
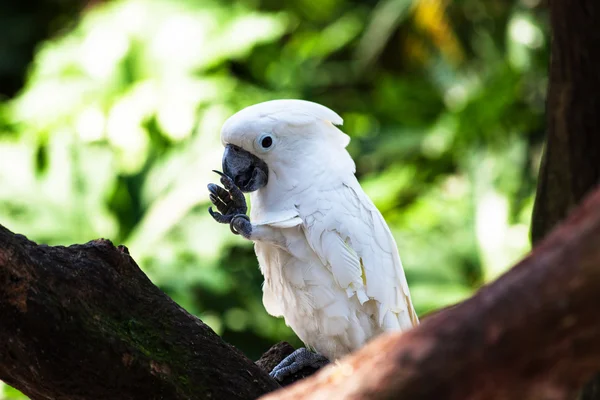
(147, 343)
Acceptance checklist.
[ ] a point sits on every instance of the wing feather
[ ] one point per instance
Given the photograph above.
(355, 243)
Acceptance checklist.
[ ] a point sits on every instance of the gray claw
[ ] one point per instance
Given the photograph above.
(238, 198)
(217, 192)
(220, 198)
(220, 218)
(230, 202)
(228, 183)
(225, 180)
(296, 361)
(240, 225)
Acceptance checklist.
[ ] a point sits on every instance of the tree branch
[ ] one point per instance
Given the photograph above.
(84, 322)
(532, 334)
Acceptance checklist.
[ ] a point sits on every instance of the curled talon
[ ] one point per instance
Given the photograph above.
(229, 201)
(220, 218)
(221, 199)
(225, 180)
(243, 216)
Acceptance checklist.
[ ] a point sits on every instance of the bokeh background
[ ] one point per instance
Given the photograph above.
(111, 111)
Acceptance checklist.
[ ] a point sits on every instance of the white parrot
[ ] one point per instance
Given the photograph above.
(330, 263)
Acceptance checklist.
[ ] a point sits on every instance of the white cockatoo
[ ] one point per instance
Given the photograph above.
(330, 263)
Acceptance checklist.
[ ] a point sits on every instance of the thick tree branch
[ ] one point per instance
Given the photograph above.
(84, 322)
(532, 334)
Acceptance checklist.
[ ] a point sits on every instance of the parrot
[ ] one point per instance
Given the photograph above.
(330, 264)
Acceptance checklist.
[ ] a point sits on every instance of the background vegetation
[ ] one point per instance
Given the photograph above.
(111, 126)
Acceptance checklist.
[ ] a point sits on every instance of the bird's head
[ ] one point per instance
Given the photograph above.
(279, 138)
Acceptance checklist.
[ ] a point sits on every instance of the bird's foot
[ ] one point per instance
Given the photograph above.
(296, 361)
(231, 203)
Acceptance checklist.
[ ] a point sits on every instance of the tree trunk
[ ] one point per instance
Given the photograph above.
(84, 322)
(530, 335)
(571, 163)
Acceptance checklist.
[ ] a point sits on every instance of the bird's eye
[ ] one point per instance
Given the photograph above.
(265, 142)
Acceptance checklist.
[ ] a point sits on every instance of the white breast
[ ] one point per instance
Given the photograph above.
(299, 288)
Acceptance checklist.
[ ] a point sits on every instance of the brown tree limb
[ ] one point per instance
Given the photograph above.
(532, 334)
(84, 322)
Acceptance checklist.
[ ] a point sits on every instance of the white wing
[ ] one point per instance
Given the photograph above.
(350, 236)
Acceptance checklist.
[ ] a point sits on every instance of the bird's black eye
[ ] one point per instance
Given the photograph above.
(266, 142)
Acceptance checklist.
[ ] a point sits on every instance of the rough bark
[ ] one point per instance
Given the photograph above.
(532, 334)
(571, 162)
(84, 322)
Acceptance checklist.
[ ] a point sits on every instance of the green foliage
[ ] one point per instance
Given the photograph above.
(117, 130)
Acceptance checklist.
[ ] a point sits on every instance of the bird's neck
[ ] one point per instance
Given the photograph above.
(293, 183)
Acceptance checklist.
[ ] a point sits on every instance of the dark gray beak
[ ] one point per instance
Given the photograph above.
(248, 172)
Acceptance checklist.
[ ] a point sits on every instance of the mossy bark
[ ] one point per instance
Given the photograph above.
(84, 322)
